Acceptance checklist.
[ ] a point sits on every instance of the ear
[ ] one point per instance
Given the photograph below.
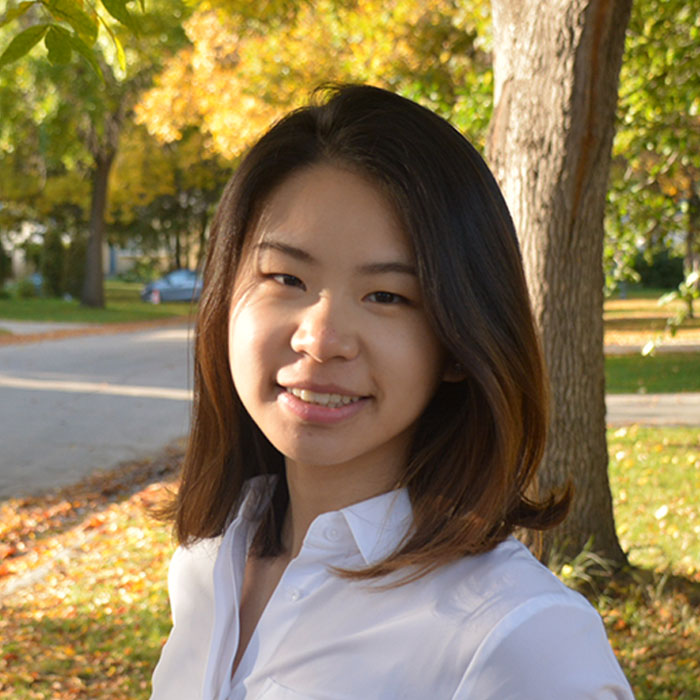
(454, 372)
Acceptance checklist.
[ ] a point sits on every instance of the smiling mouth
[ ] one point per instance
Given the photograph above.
(329, 400)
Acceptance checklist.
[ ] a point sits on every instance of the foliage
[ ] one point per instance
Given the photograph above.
(52, 262)
(5, 265)
(688, 292)
(656, 170)
(25, 289)
(73, 116)
(74, 267)
(67, 28)
(162, 195)
(240, 73)
(660, 268)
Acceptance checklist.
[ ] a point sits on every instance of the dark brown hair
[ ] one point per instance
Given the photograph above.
(479, 442)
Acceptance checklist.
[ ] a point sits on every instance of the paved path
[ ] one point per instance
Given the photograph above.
(654, 409)
(31, 327)
(73, 405)
(666, 347)
(70, 406)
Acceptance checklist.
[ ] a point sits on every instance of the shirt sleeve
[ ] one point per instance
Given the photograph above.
(179, 674)
(546, 648)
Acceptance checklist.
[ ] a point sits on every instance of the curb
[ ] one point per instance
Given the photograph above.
(96, 329)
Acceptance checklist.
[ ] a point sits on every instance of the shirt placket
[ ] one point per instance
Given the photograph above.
(302, 577)
(228, 578)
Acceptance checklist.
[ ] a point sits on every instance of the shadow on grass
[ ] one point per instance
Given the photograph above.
(653, 622)
(646, 323)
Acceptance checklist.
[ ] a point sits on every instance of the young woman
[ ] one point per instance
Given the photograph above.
(370, 409)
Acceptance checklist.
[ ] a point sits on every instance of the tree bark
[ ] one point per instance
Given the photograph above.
(692, 261)
(93, 286)
(556, 68)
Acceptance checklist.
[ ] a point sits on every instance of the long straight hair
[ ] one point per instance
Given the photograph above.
(478, 444)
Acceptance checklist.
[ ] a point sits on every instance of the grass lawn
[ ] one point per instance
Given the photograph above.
(638, 318)
(122, 305)
(93, 626)
(654, 618)
(655, 479)
(662, 373)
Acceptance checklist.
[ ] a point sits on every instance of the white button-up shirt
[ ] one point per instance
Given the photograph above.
(496, 626)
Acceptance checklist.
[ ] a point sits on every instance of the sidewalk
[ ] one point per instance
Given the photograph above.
(653, 409)
(622, 409)
(37, 327)
(23, 332)
(661, 348)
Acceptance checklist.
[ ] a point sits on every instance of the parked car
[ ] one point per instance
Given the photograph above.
(178, 285)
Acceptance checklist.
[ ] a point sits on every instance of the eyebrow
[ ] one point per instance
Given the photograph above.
(304, 256)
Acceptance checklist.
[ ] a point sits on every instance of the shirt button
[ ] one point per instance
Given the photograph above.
(332, 534)
(294, 594)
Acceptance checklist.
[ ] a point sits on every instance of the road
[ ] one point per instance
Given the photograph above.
(70, 406)
(74, 405)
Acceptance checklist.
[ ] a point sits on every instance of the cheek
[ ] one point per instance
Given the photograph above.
(256, 344)
(414, 360)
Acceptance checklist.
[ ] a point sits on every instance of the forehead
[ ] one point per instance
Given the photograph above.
(327, 204)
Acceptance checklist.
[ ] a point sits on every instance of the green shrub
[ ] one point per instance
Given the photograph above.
(5, 266)
(52, 263)
(663, 271)
(143, 270)
(25, 289)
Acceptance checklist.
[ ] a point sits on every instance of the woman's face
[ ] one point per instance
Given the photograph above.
(330, 350)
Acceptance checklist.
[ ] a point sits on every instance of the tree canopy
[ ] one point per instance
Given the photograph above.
(240, 72)
(652, 199)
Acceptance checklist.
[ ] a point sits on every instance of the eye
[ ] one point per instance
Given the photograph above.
(387, 298)
(286, 280)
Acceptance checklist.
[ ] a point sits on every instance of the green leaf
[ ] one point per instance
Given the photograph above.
(118, 10)
(667, 298)
(121, 56)
(58, 44)
(16, 12)
(86, 52)
(69, 11)
(23, 43)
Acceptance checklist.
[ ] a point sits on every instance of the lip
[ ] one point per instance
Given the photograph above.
(316, 413)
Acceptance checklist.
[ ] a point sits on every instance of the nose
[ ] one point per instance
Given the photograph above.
(324, 332)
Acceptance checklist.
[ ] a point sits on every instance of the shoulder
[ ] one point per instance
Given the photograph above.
(498, 582)
(192, 565)
(530, 636)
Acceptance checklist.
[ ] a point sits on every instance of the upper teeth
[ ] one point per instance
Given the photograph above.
(331, 400)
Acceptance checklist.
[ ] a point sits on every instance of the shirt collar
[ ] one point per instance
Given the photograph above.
(379, 524)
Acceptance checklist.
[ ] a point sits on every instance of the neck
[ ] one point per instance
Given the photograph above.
(314, 490)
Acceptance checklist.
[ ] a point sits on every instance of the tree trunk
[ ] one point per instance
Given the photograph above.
(691, 263)
(201, 249)
(556, 67)
(93, 286)
(178, 250)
